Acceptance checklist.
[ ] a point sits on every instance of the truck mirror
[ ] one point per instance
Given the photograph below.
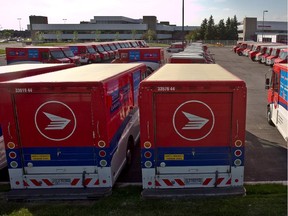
(267, 83)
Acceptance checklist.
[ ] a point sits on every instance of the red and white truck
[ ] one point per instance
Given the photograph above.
(35, 54)
(152, 57)
(283, 57)
(192, 125)
(184, 58)
(10, 72)
(176, 47)
(86, 53)
(277, 99)
(84, 122)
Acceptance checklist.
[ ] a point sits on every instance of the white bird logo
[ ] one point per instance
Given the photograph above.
(195, 122)
(57, 122)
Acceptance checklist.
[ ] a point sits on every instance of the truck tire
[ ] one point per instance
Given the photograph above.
(269, 116)
(240, 53)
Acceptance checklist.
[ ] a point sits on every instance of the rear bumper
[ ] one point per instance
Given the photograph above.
(193, 192)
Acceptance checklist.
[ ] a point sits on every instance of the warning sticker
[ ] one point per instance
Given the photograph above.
(40, 157)
(174, 157)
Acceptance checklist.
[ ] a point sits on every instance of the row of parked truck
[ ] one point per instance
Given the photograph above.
(265, 53)
(274, 55)
(82, 53)
(75, 128)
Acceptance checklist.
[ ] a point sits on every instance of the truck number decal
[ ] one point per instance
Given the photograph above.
(23, 90)
(166, 88)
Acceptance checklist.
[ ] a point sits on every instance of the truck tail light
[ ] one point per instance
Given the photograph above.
(237, 162)
(101, 144)
(12, 155)
(11, 145)
(238, 153)
(148, 164)
(147, 145)
(238, 143)
(103, 163)
(147, 154)
(102, 153)
(14, 164)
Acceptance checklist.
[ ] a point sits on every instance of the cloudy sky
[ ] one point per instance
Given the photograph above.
(15, 14)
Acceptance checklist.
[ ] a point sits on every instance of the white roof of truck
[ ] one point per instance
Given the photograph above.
(87, 73)
(192, 72)
(25, 67)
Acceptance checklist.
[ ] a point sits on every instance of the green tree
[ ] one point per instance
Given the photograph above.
(150, 35)
(75, 36)
(59, 36)
(210, 30)
(234, 26)
(203, 28)
(193, 35)
(221, 30)
(97, 35)
(39, 36)
(117, 36)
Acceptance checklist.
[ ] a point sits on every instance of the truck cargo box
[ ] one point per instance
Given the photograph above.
(73, 128)
(192, 119)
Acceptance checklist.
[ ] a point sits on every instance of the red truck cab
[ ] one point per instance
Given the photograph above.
(35, 54)
(86, 53)
(176, 47)
(282, 58)
(100, 50)
(69, 54)
(152, 57)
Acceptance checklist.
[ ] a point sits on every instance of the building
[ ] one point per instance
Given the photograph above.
(263, 31)
(102, 28)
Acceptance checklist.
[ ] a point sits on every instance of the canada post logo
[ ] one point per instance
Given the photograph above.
(55, 120)
(193, 120)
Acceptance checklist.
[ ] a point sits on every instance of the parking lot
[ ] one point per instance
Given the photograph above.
(266, 150)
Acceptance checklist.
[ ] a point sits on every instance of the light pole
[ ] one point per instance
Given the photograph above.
(19, 19)
(183, 36)
(64, 21)
(264, 11)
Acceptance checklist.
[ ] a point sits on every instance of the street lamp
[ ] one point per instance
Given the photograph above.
(64, 21)
(183, 37)
(264, 11)
(19, 19)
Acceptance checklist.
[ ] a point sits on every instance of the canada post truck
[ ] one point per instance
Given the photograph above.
(192, 125)
(35, 54)
(10, 72)
(72, 130)
(277, 99)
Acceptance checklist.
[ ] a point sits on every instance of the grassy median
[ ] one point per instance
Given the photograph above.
(262, 200)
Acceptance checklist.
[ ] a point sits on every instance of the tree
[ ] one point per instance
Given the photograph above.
(203, 28)
(150, 35)
(193, 35)
(97, 35)
(234, 26)
(210, 30)
(221, 30)
(75, 36)
(59, 36)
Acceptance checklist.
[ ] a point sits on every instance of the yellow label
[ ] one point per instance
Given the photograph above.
(174, 157)
(40, 157)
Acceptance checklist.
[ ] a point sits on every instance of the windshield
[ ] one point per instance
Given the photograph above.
(57, 54)
(268, 50)
(106, 47)
(100, 48)
(273, 53)
(69, 53)
(112, 47)
(91, 50)
(283, 54)
(118, 46)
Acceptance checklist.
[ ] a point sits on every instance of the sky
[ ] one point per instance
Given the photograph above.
(15, 14)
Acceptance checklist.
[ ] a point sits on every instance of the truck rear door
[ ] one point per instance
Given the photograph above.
(55, 132)
(193, 132)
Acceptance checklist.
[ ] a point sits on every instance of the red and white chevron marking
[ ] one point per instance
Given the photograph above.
(180, 182)
(75, 182)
